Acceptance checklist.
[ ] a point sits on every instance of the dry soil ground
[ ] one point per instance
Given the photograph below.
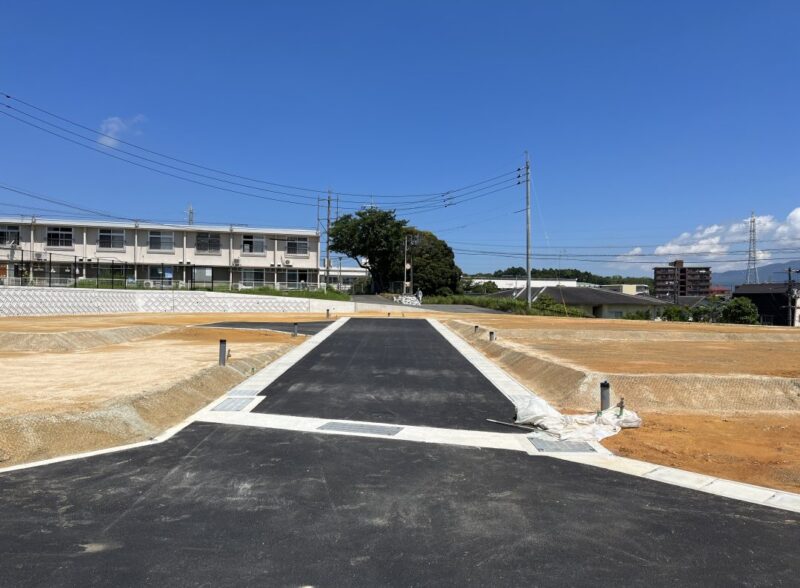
(79, 383)
(722, 400)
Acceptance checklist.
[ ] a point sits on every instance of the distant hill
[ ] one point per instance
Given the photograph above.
(773, 272)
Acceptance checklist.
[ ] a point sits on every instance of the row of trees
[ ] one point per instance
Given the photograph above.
(740, 311)
(566, 274)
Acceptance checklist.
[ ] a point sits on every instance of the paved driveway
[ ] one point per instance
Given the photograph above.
(231, 505)
(398, 371)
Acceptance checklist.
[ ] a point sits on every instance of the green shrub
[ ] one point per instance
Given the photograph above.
(740, 311)
(543, 306)
(638, 315)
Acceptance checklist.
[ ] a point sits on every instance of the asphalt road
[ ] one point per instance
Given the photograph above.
(460, 308)
(399, 371)
(221, 505)
(303, 328)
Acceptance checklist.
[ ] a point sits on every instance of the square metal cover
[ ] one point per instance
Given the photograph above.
(388, 430)
(557, 446)
(233, 404)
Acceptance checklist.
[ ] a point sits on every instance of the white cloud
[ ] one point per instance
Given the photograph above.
(725, 245)
(114, 127)
(626, 256)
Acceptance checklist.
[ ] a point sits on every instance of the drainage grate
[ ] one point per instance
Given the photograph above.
(361, 428)
(233, 404)
(561, 446)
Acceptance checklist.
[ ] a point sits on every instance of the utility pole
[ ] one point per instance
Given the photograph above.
(190, 214)
(405, 264)
(528, 226)
(328, 243)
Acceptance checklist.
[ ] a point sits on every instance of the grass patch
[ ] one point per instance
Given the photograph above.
(543, 306)
(317, 294)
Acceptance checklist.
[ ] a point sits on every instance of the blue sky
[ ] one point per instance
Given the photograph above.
(652, 127)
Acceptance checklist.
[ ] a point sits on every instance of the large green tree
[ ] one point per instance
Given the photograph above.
(378, 241)
(435, 269)
(374, 239)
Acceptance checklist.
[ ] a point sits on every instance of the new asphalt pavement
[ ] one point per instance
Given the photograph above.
(230, 505)
(221, 505)
(398, 371)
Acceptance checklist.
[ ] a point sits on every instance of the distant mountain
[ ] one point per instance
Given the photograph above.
(774, 272)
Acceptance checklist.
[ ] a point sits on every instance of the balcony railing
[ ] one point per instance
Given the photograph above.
(121, 283)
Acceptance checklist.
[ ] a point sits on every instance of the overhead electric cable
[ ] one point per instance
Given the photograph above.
(372, 195)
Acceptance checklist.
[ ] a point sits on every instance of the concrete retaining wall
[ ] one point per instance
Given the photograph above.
(32, 301)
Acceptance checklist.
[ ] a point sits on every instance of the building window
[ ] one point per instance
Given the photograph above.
(297, 245)
(297, 278)
(111, 239)
(158, 272)
(59, 236)
(161, 241)
(207, 243)
(202, 274)
(254, 276)
(9, 235)
(252, 244)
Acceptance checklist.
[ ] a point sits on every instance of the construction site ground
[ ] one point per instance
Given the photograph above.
(722, 400)
(85, 382)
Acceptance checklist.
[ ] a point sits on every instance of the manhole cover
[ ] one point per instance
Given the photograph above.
(361, 428)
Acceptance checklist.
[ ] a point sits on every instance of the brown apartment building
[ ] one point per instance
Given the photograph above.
(677, 280)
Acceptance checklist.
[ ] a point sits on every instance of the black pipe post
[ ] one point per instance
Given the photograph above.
(605, 395)
(162, 276)
(223, 352)
(75, 272)
(50, 271)
(112, 274)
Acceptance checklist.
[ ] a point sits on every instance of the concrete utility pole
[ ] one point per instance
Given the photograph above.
(405, 264)
(528, 226)
(328, 243)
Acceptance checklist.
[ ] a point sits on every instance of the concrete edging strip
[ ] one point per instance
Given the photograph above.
(686, 479)
(511, 388)
(269, 374)
(483, 439)
(607, 460)
(253, 385)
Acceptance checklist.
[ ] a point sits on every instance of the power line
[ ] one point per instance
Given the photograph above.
(371, 195)
(449, 200)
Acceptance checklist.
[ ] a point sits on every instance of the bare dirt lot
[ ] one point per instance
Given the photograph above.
(717, 399)
(722, 400)
(81, 383)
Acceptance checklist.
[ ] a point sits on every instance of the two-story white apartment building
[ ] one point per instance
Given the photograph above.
(64, 252)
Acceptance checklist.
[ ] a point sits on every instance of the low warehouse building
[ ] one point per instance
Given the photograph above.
(600, 303)
(775, 307)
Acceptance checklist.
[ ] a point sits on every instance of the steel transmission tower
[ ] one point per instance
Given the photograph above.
(752, 269)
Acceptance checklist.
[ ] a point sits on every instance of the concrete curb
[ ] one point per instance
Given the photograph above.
(270, 373)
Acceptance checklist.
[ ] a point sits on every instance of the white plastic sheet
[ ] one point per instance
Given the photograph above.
(584, 427)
